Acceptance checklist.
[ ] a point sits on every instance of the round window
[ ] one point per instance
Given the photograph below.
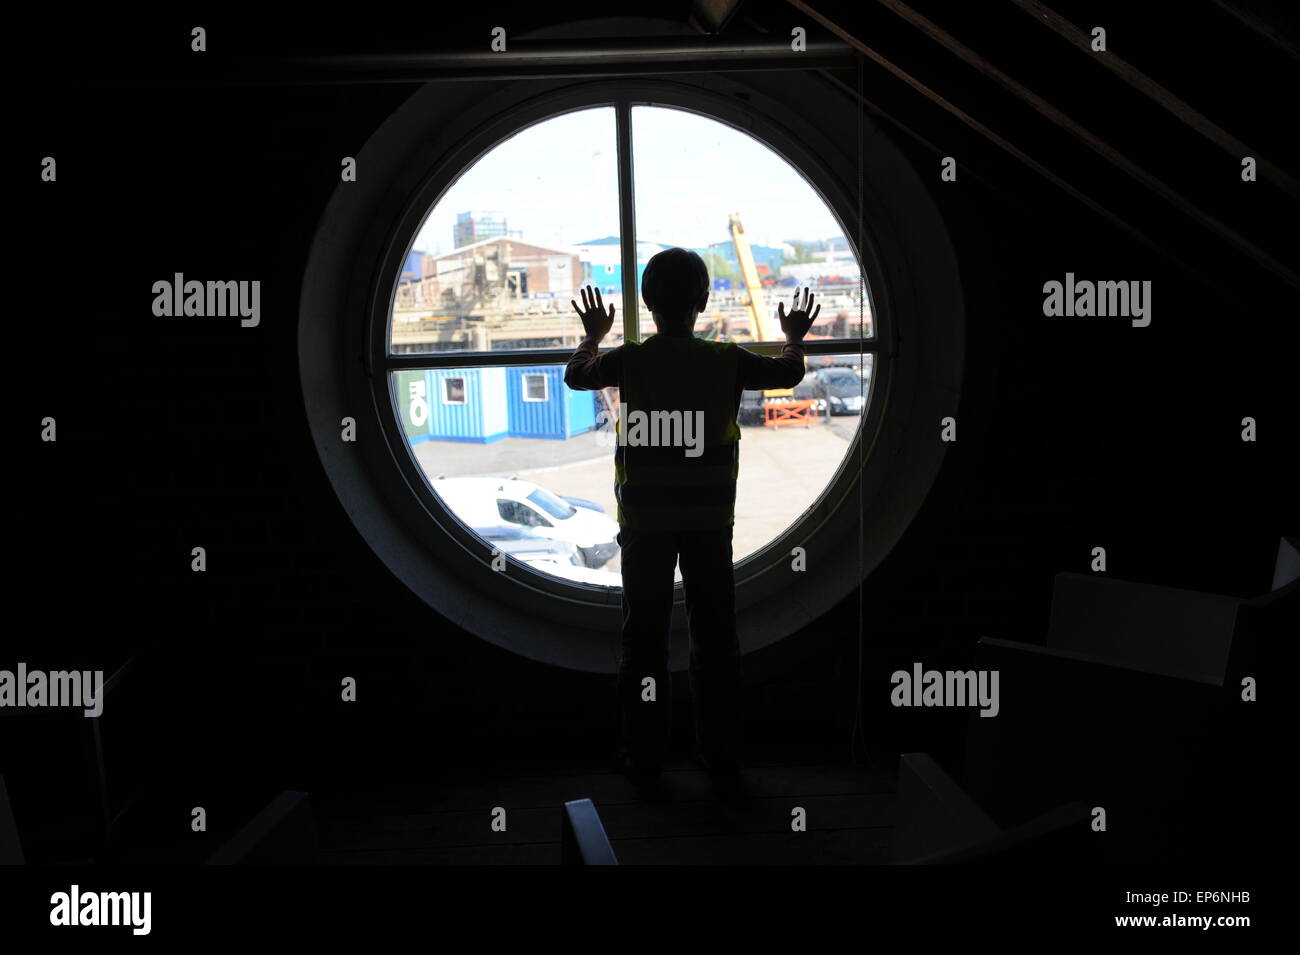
(483, 320)
(437, 318)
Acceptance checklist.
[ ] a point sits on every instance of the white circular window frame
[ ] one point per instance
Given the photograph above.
(347, 293)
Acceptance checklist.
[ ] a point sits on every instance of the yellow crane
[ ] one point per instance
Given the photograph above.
(760, 323)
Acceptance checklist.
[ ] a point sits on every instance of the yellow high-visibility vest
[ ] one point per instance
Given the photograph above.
(677, 457)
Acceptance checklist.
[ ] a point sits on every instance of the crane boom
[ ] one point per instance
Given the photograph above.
(760, 329)
(759, 322)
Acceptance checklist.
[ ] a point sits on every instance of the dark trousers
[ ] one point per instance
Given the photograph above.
(648, 560)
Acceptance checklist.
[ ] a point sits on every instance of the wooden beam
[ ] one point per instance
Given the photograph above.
(997, 140)
(880, 113)
(1158, 94)
(874, 108)
(1266, 30)
(525, 59)
(1107, 152)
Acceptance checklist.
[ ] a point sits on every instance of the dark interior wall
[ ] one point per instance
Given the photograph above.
(1071, 434)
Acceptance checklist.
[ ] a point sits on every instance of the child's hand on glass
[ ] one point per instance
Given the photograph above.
(594, 319)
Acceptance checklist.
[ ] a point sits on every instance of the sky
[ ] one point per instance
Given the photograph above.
(556, 181)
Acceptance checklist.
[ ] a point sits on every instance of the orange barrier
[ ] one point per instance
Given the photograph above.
(781, 414)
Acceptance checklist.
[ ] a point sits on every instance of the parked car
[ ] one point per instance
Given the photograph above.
(555, 557)
(485, 502)
(522, 543)
(751, 408)
(582, 502)
(842, 389)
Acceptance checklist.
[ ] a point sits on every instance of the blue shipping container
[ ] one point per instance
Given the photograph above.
(542, 406)
(453, 404)
(482, 405)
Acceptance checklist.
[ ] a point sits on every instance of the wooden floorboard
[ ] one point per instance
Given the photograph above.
(621, 820)
(546, 853)
(849, 818)
(471, 790)
(831, 847)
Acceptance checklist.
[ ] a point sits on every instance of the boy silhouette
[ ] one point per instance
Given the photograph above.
(675, 467)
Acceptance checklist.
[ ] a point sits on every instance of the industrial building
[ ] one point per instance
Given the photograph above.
(768, 258)
(472, 227)
(602, 264)
(526, 270)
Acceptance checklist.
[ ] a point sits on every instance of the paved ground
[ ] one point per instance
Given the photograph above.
(508, 456)
(782, 471)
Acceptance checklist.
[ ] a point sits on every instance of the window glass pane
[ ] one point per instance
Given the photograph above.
(535, 387)
(501, 254)
(535, 480)
(760, 227)
(551, 504)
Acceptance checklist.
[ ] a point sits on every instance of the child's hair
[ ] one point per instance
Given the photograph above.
(674, 282)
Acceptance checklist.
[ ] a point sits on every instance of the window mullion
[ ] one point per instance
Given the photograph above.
(627, 221)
